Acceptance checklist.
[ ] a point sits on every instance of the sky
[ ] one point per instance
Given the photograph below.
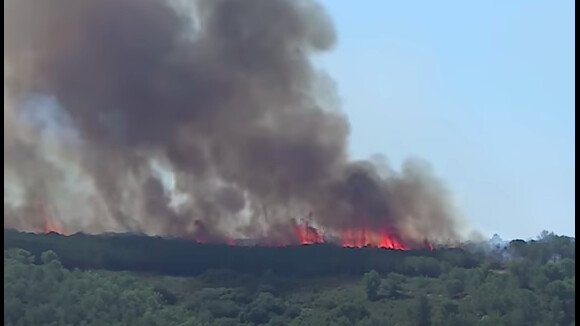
(483, 90)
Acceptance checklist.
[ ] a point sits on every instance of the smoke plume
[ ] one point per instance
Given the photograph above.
(201, 119)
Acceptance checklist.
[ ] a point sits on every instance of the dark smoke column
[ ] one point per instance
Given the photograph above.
(221, 97)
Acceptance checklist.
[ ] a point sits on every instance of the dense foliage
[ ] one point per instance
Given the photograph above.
(532, 284)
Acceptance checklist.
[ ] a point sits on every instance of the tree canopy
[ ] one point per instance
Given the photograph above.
(51, 280)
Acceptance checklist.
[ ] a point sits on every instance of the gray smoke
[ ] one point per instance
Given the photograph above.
(200, 118)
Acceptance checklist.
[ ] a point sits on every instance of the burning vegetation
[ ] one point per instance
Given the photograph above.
(198, 119)
(49, 224)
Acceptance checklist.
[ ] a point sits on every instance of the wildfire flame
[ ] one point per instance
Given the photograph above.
(49, 225)
(362, 237)
(307, 234)
(353, 237)
(428, 244)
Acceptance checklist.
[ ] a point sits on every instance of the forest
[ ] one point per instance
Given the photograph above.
(140, 280)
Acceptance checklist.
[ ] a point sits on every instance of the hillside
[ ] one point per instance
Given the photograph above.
(56, 280)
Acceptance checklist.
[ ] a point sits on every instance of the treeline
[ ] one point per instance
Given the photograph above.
(533, 285)
(187, 258)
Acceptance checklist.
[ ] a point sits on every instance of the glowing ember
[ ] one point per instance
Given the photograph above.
(307, 234)
(362, 237)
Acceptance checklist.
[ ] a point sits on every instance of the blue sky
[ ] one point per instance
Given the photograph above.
(483, 90)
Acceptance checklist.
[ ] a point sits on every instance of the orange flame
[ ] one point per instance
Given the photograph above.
(306, 234)
(354, 237)
(49, 225)
(362, 237)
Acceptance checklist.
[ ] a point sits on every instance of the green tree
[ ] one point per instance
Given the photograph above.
(353, 312)
(454, 288)
(523, 270)
(372, 283)
(422, 312)
(391, 286)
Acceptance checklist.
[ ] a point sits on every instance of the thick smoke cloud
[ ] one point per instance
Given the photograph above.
(203, 118)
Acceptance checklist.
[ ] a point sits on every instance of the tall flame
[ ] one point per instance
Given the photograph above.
(307, 234)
